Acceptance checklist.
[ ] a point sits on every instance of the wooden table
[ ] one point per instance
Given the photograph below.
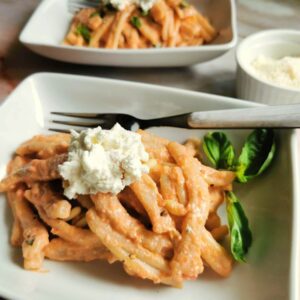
(217, 76)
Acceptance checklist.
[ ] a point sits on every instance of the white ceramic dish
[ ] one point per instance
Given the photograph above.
(276, 44)
(271, 202)
(48, 25)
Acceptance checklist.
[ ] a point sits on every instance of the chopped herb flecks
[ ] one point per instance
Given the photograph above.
(84, 32)
(136, 22)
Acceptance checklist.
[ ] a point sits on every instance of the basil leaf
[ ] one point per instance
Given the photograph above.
(240, 234)
(84, 32)
(219, 150)
(136, 22)
(257, 154)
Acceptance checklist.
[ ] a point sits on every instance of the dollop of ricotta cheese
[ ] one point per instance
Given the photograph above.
(103, 161)
(284, 72)
(145, 5)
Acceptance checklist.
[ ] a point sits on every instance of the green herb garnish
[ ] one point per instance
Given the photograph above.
(257, 154)
(219, 150)
(240, 234)
(136, 22)
(84, 32)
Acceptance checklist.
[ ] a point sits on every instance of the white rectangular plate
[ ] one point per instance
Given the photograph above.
(48, 25)
(271, 201)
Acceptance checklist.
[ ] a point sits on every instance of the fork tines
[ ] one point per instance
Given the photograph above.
(76, 115)
(91, 120)
(75, 5)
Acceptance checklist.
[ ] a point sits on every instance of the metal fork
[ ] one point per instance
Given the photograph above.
(75, 5)
(280, 116)
(107, 121)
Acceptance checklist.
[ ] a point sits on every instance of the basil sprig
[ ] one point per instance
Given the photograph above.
(256, 156)
(219, 150)
(240, 233)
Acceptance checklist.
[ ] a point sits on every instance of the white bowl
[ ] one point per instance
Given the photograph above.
(272, 43)
(48, 25)
(271, 201)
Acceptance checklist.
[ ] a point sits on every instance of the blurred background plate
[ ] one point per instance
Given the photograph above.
(49, 24)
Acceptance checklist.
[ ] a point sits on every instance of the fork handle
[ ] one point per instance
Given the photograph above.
(279, 116)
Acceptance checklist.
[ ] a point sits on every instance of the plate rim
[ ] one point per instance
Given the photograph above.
(37, 75)
(295, 249)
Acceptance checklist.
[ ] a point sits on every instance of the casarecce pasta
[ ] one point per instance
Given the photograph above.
(169, 23)
(164, 227)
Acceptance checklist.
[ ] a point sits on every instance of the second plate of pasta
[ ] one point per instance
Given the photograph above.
(171, 33)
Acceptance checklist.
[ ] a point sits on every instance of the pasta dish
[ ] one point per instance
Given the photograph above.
(168, 23)
(163, 227)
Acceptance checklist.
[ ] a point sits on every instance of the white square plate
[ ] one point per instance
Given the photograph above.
(48, 25)
(271, 201)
